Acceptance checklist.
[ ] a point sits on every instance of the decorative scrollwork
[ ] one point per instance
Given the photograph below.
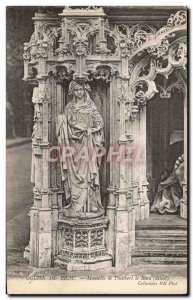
(102, 71)
(168, 87)
(82, 30)
(160, 50)
(81, 238)
(174, 22)
(61, 73)
(81, 257)
(177, 57)
(130, 38)
(103, 74)
(178, 19)
(68, 237)
(142, 86)
(96, 237)
(166, 51)
(42, 50)
(45, 31)
(181, 51)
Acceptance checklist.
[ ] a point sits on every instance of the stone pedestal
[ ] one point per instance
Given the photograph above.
(82, 244)
(183, 210)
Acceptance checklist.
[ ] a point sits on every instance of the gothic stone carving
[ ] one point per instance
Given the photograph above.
(83, 244)
(138, 54)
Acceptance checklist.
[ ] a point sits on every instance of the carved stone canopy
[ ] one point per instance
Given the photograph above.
(70, 47)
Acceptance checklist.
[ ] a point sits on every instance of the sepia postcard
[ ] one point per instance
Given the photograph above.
(96, 146)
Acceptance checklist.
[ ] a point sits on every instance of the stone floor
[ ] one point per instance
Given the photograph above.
(163, 220)
(17, 141)
(19, 197)
(19, 200)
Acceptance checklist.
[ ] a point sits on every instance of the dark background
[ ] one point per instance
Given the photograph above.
(19, 108)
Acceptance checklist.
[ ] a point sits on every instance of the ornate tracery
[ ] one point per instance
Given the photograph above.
(82, 44)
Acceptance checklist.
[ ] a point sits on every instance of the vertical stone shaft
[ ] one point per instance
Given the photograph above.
(123, 256)
(45, 218)
(111, 207)
(135, 162)
(36, 177)
(183, 204)
(65, 35)
(144, 202)
(144, 163)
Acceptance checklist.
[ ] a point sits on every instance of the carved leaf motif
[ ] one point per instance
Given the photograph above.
(81, 238)
(178, 19)
(96, 237)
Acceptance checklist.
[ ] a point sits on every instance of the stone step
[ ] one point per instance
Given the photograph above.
(160, 227)
(161, 240)
(158, 260)
(159, 246)
(159, 252)
(162, 233)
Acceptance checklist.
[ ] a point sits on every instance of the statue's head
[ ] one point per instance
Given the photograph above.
(78, 89)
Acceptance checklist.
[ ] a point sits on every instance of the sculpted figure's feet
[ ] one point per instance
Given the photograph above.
(94, 209)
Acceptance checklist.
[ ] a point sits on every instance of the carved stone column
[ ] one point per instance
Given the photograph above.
(44, 230)
(135, 161)
(123, 257)
(111, 210)
(26, 57)
(111, 207)
(184, 204)
(143, 179)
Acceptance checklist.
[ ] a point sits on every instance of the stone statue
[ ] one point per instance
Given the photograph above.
(80, 134)
(170, 191)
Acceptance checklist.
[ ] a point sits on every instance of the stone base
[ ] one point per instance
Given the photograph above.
(26, 253)
(83, 245)
(183, 210)
(146, 210)
(102, 263)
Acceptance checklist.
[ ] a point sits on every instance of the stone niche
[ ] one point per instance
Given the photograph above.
(119, 57)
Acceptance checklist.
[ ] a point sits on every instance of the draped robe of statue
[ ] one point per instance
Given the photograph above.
(170, 191)
(80, 131)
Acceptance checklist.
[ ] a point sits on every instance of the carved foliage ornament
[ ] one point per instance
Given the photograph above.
(61, 73)
(42, 40)
(165, 52)
(167, 87)
(178, 19)
(129, 38)
(102, 71)
(46, 31)
(82, 30)
(160, 50)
